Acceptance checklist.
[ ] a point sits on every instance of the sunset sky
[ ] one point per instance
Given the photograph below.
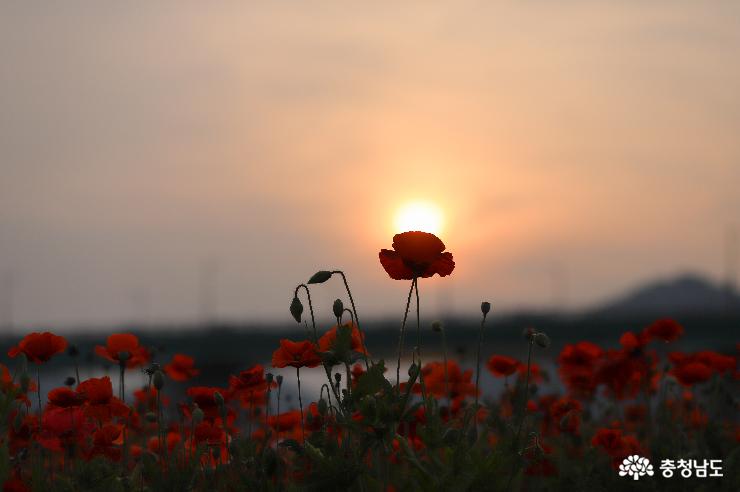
(150, 150)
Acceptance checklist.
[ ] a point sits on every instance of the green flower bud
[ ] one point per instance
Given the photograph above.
(219, 398)
(296, 309)
(320, 277)
(542, 340)
(158, 380)
(338, 308)
(485, 307)
(437, 326)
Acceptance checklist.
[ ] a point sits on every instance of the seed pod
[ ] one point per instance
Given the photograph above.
(542, 340)
(296, 309)
(123, 356)
(437, 326)
(69, 381)
(338, 308)
(158, 380)
(413, 370)
(279, 379)
(338, 377)
(268, 378)
(73, 351)
(485, 307)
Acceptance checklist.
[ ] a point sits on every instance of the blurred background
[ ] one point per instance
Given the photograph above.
(173, 168)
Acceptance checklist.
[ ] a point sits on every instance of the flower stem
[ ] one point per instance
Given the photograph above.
(401, 333)
(357, 317)
(300, 402)
(477, 367)
(310, 308)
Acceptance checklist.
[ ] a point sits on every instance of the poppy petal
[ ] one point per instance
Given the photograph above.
(394, 265)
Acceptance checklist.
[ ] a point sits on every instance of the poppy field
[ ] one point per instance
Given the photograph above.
(376, 425)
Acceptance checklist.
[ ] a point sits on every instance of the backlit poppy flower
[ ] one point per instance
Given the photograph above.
(416, 254)
(665, 329)
(285, 421)
(181, 368)
(501, 365)
(566, 413)
(615, 444)
(124, 345)
(328, 339)
(39, 347)
(295, 354)
(577, 364)
(106, 442)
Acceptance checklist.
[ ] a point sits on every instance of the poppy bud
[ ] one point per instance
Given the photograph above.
(198, 415)
(485, 307)
(296, 309)
(69, 381)
(413, 370)
(542, 340)
(150, 417)
(219, 398)
(269, 377)
(320, 277)
(322, 406)
(338, 377)
(338, 308)
(279, 379)
(158, 380)
(72, 351)
(437, 326)
(528, 334)
(123, 356)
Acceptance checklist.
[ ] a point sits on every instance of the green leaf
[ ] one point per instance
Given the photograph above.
(372, 382)
(320, 277)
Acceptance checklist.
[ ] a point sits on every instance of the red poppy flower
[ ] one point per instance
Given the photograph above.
(616, 445)
(665, 329)
(124, 343)
(285, 421)
(501, 365)
(181, 368)
(39, 347)
(459, 382)
(295, 354)
(250, 380)
(101, 404)
(326, 342)
(692, 373)
(416, 254)
(65, 398)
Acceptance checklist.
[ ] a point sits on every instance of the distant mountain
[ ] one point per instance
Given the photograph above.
(686, 294)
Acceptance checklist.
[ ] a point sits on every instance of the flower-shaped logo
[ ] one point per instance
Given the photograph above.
(635, 466)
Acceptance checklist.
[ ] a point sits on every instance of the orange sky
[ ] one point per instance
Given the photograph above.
(592, 142)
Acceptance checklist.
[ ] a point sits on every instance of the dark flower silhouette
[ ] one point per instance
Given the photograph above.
(416, 254)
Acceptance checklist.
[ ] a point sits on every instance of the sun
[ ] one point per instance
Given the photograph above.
(419, 216)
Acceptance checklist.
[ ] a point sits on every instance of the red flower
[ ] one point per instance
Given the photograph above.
(181, 368)
(501, 365)
(692, 373)
(416, 254)
(251, 380)
(39, 347)
(616, 445)
(665, 329)
(459, 382)
(285, 421)
(65, 398)
(566, 412)
(327, 340)
(576, 366)
(101, 404)
(295, 354)
(124, 343)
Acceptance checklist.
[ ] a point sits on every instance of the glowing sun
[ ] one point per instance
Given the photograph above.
(419, 216)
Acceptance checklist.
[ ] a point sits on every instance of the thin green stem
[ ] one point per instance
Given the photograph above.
(477, 366)
(357, 317)
(300, 403)
(401, 333)
(310, 308)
